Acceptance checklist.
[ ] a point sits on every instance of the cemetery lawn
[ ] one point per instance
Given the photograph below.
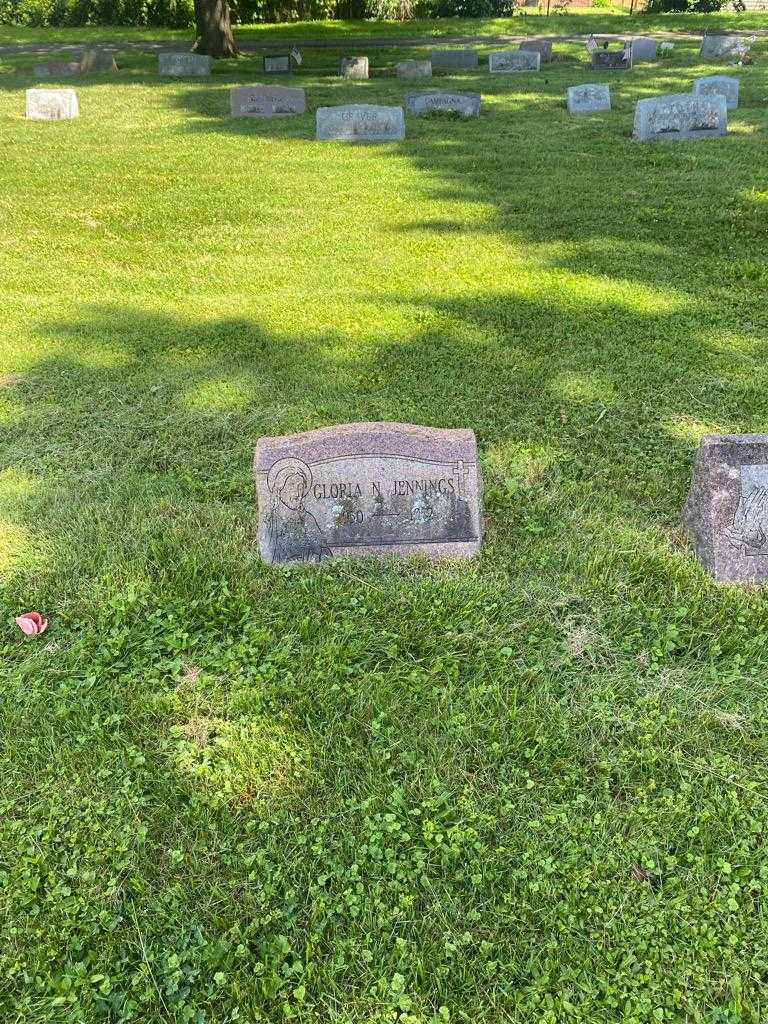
(530, 788)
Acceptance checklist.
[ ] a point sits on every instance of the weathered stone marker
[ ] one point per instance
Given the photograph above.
(278, 64)
(643, 49)
(414, 69)
(180, 64)
(360, 122)
(57, 69)
(726, 514)
(541, 46)
(723, 85)
(361, 489)
(266, 101)
(354, 67)
(588, 99)
(680, 116)
(720, 46)
(514, 60)
(51, 104)
(465, 103)
(453, 59)
(609, 60)
(97, 60)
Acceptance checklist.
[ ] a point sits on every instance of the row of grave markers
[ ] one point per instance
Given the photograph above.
(395, 489)
(698, 114)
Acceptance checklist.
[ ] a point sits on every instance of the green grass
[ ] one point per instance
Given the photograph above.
(528, 789)
(611, 20)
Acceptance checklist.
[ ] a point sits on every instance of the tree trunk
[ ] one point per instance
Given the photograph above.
(214, 32)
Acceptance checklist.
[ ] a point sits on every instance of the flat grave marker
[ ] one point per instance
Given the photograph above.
(591, 98)
(465, 103)
(178, 65)
(726, 512)
(51, 104)
(266, 101)
(57, 69)
(414, 69)
(368, 489)
(722, 85)
(509, 61)
(360, 122)
(680, 116)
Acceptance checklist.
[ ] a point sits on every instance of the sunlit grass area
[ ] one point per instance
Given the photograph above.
(530, 788)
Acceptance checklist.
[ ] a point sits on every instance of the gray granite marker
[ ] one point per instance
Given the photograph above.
(465, 103)
(51, 104)
(609, 60)
(414, 69)
(514, 60)
(382, 489)
(360, 122)
(588, 99)
(182, 64)
(680, 116)
(453, 59)
(723, 85)
(720, 46)
(541, 46)
(98, 61)
(279, 64)
(643, 49)
(726, 514)
(354, 67)
(57, 69)
(266, 101)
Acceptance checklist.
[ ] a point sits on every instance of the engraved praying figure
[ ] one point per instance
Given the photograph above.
(294, 533)
(749, 530)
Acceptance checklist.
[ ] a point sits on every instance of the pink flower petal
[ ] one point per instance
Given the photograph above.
(32, 623)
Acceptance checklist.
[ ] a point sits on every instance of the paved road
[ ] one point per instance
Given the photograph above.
(339, 44)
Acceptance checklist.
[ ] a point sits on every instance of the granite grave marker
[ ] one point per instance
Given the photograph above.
(51, 104)
(182, 64)
(723, 85)
(465, 103)
(354, 67)
(588, 99)
(99, 61)
(414, 69)
(720, 46)
(541, 46)
(277, 64)
(266, 101)
(381, 489)
(360, 122)
(514, 60)
(726, 512)
(453, 59)
(609, 60)
(643, 50)
(680, 116)
(57, 69)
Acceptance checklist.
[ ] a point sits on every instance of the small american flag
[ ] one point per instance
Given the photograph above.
(591, 43)
(626, 53)
(296, 54)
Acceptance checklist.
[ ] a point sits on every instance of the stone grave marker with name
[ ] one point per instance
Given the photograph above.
(414, 69)
(609, 60)
(680, 116)
(720, 46)
(465, 103)
(723, 85)
(362, 489)
(182, 64)
(453, 60)
(514, 60)
(360, 122)
(57, 69)
(51, 104)
(98, 61)
(541, 46)
(277, 64)
(588, 99)
(726, 513)
(354, 67)
(643, 49)
(266, 101)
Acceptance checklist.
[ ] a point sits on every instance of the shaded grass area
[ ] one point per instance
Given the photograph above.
(530, 788)
(613, 20)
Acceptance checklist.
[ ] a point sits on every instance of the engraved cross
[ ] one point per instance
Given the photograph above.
(461, 469)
